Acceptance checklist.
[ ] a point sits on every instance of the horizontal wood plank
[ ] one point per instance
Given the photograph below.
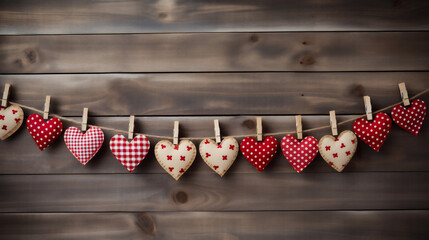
(206, 192)
(89, 17)
(218, 225)
(181, 94)
(402, 151)
(215, 52)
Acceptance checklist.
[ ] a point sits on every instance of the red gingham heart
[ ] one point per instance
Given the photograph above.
(410, 119)
(299, 154)
(44, 133)
(259, 154)
(130, 154)
(375, 132)
(84, 146)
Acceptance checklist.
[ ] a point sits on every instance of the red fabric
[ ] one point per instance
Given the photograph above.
(373, 133)
(299, 154)
(410, 119)
(84, 146)
(44, 133)
(259, 154)
(130, 154)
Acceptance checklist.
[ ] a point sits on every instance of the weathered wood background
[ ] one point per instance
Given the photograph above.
(196, 61)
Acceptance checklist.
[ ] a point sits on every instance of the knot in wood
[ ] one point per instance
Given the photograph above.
(250, 124)
(31, 55)
(180, 197)
(307, 59)
(254, 38)
(146, 224)
(358, 91)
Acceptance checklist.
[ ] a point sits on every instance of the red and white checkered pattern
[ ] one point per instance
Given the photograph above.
(130, 154)
(84, 146)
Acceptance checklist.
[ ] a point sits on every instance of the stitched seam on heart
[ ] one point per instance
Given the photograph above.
(194, 153)
(18, 125)
(333, 138)
(209, 163)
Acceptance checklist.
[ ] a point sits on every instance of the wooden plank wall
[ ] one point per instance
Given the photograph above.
(195, 61)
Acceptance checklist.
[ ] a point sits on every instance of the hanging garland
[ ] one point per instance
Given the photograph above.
(219, 155)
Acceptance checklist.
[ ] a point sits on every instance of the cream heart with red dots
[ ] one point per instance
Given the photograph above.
(129, 154)
(259, 154)
(43, 133)
(11, 119)
(338, 151)
(175, 159)
(299, 154)
(219, 157)
(84, 146)
(373, 133)
(410, 119)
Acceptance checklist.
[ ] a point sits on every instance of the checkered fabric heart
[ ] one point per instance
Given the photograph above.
(130, 154)
(84, 146)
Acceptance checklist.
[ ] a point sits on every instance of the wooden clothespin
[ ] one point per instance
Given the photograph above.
(5, 95)
(333, 121)
(259, 129)
(84, 119)
(176, 133)
(298, 127)
(368, 107)
(404, 94)
(131, 128)
(217, 131)
(46, 111)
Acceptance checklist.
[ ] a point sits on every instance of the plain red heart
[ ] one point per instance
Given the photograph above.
(299, 154)
(44, 133)
(410, 119)
(259, 154)
(373, 133)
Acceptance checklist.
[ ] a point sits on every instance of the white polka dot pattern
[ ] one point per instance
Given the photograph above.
(175, 159)
(219, 157)
(410, 119)
(44, 133)
(129, 154)
(299, 154)
(84, 146)
(259, 154)
(11, 119)
(338, 152)
(375, 132)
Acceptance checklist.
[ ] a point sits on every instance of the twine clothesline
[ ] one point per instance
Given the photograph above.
(201, 138)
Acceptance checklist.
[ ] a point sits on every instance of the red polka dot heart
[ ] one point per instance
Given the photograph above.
(410, 119)
(299, 154)
(259, 154)
(373, 133)
(44, 133)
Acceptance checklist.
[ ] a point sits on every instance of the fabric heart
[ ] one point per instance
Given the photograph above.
(84, 146)
(219, 157)
(259, 154)
(338, 152)
(373, 133)
(410, 119)
(11, 119)
(299, 154)
(44, 133)
(175, 159)
(130, 154)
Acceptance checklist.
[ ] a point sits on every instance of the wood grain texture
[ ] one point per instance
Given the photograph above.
(401, 152)
(77, 17)
(209, 192)
(179, 94)
(215, 52)
(217, 225)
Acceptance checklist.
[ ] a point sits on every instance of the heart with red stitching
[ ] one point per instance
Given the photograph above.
(84, 146)
(11, 119)
(175, 159)
(410, 119)
(130, 154)
(259, 154)
(43, 133)
(299, 153)
(338, 151)
(221, 156)
(373, 133)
